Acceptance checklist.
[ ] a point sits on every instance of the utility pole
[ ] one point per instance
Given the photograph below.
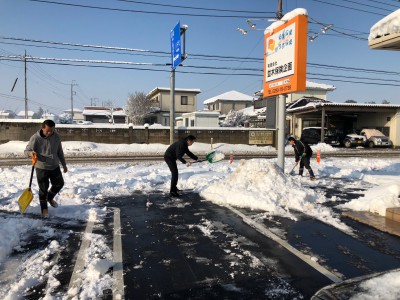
(72, 99)
(26, 89)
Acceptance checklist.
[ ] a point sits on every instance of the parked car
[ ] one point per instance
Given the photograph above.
(85, 122)
(354, 140)
(312, 135)
(375, 138)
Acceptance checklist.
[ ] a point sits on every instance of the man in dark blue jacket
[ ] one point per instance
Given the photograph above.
(176, 151)
(303, 153)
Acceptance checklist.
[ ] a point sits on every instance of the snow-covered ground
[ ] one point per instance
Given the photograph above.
(255, 183)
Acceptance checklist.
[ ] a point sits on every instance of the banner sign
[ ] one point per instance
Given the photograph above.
(285, 57)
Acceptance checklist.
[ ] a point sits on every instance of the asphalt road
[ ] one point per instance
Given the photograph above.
(189, 248)
(192, 249)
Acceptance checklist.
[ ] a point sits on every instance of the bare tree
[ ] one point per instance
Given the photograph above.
(138, 106)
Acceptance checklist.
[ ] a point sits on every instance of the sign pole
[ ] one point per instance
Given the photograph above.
(285, 58)
(172, 108)
(281, 130)
(177, 56)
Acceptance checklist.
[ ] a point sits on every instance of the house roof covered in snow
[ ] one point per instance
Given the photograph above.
(385, 34)
(22, 113)
(229, 96)
(310, 85)
(76, 110)
(103, 111)
(165, 89)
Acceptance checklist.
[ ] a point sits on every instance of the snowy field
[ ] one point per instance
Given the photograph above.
(255, 183)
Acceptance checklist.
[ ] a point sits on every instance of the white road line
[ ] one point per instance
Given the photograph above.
(118, 291)
(265, 231)
(75, 281)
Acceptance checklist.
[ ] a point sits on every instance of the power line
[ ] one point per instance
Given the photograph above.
(225, 74)
(142, 11)
(352, 8)
(384, 3)
(364, 4)
(196, 8)
(219, 56)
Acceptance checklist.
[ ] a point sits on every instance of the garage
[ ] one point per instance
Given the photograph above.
(344, 117)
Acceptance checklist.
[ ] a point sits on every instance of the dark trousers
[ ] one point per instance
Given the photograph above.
(44, 178)
(174, 172)
(305, 162)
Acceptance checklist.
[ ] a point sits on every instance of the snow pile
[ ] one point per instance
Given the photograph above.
(388, 25)
(377, 200)
(385, 287)
(261, 185)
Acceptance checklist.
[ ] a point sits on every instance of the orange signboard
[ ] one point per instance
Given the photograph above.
(285, 57)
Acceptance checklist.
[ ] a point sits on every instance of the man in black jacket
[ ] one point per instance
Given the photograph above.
(303, 153)
(176, 151)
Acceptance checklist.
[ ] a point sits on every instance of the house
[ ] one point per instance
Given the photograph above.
(21, 114)
(185, 101)
(198, 119)
(48, 116)
(98, 114)
(313, 89)
(78, 114)
(4, 114)
(228, 101)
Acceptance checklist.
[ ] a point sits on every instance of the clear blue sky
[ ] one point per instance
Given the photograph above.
(212, 42)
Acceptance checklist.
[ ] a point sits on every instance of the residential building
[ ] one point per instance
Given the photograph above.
(21, 114)
(228, 101)
(185, 101)
(98, 114)
(4, 114)
(313, 89)
(78, 114)
(198, 119)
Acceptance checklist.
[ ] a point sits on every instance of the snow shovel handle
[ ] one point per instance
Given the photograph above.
(295, 165)
(34, 160)
(196, 161)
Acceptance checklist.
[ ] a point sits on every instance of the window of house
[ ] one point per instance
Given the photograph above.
(184, 100)
(192, 123)
(217, 106)
(186, 122)
(233, 106)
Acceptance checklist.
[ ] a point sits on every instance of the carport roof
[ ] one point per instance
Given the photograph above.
(313, 105)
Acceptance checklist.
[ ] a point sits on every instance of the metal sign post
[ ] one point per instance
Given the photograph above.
(177, 56)
(285, 49)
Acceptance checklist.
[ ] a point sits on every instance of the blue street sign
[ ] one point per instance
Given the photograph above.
(176, 49)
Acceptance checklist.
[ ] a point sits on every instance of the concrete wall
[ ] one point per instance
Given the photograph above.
(122, 134)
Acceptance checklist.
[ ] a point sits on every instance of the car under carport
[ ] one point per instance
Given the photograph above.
(347, 117)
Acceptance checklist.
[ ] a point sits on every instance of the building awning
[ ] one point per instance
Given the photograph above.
(385, 34)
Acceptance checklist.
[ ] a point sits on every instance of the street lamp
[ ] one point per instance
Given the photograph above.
(242, 31)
